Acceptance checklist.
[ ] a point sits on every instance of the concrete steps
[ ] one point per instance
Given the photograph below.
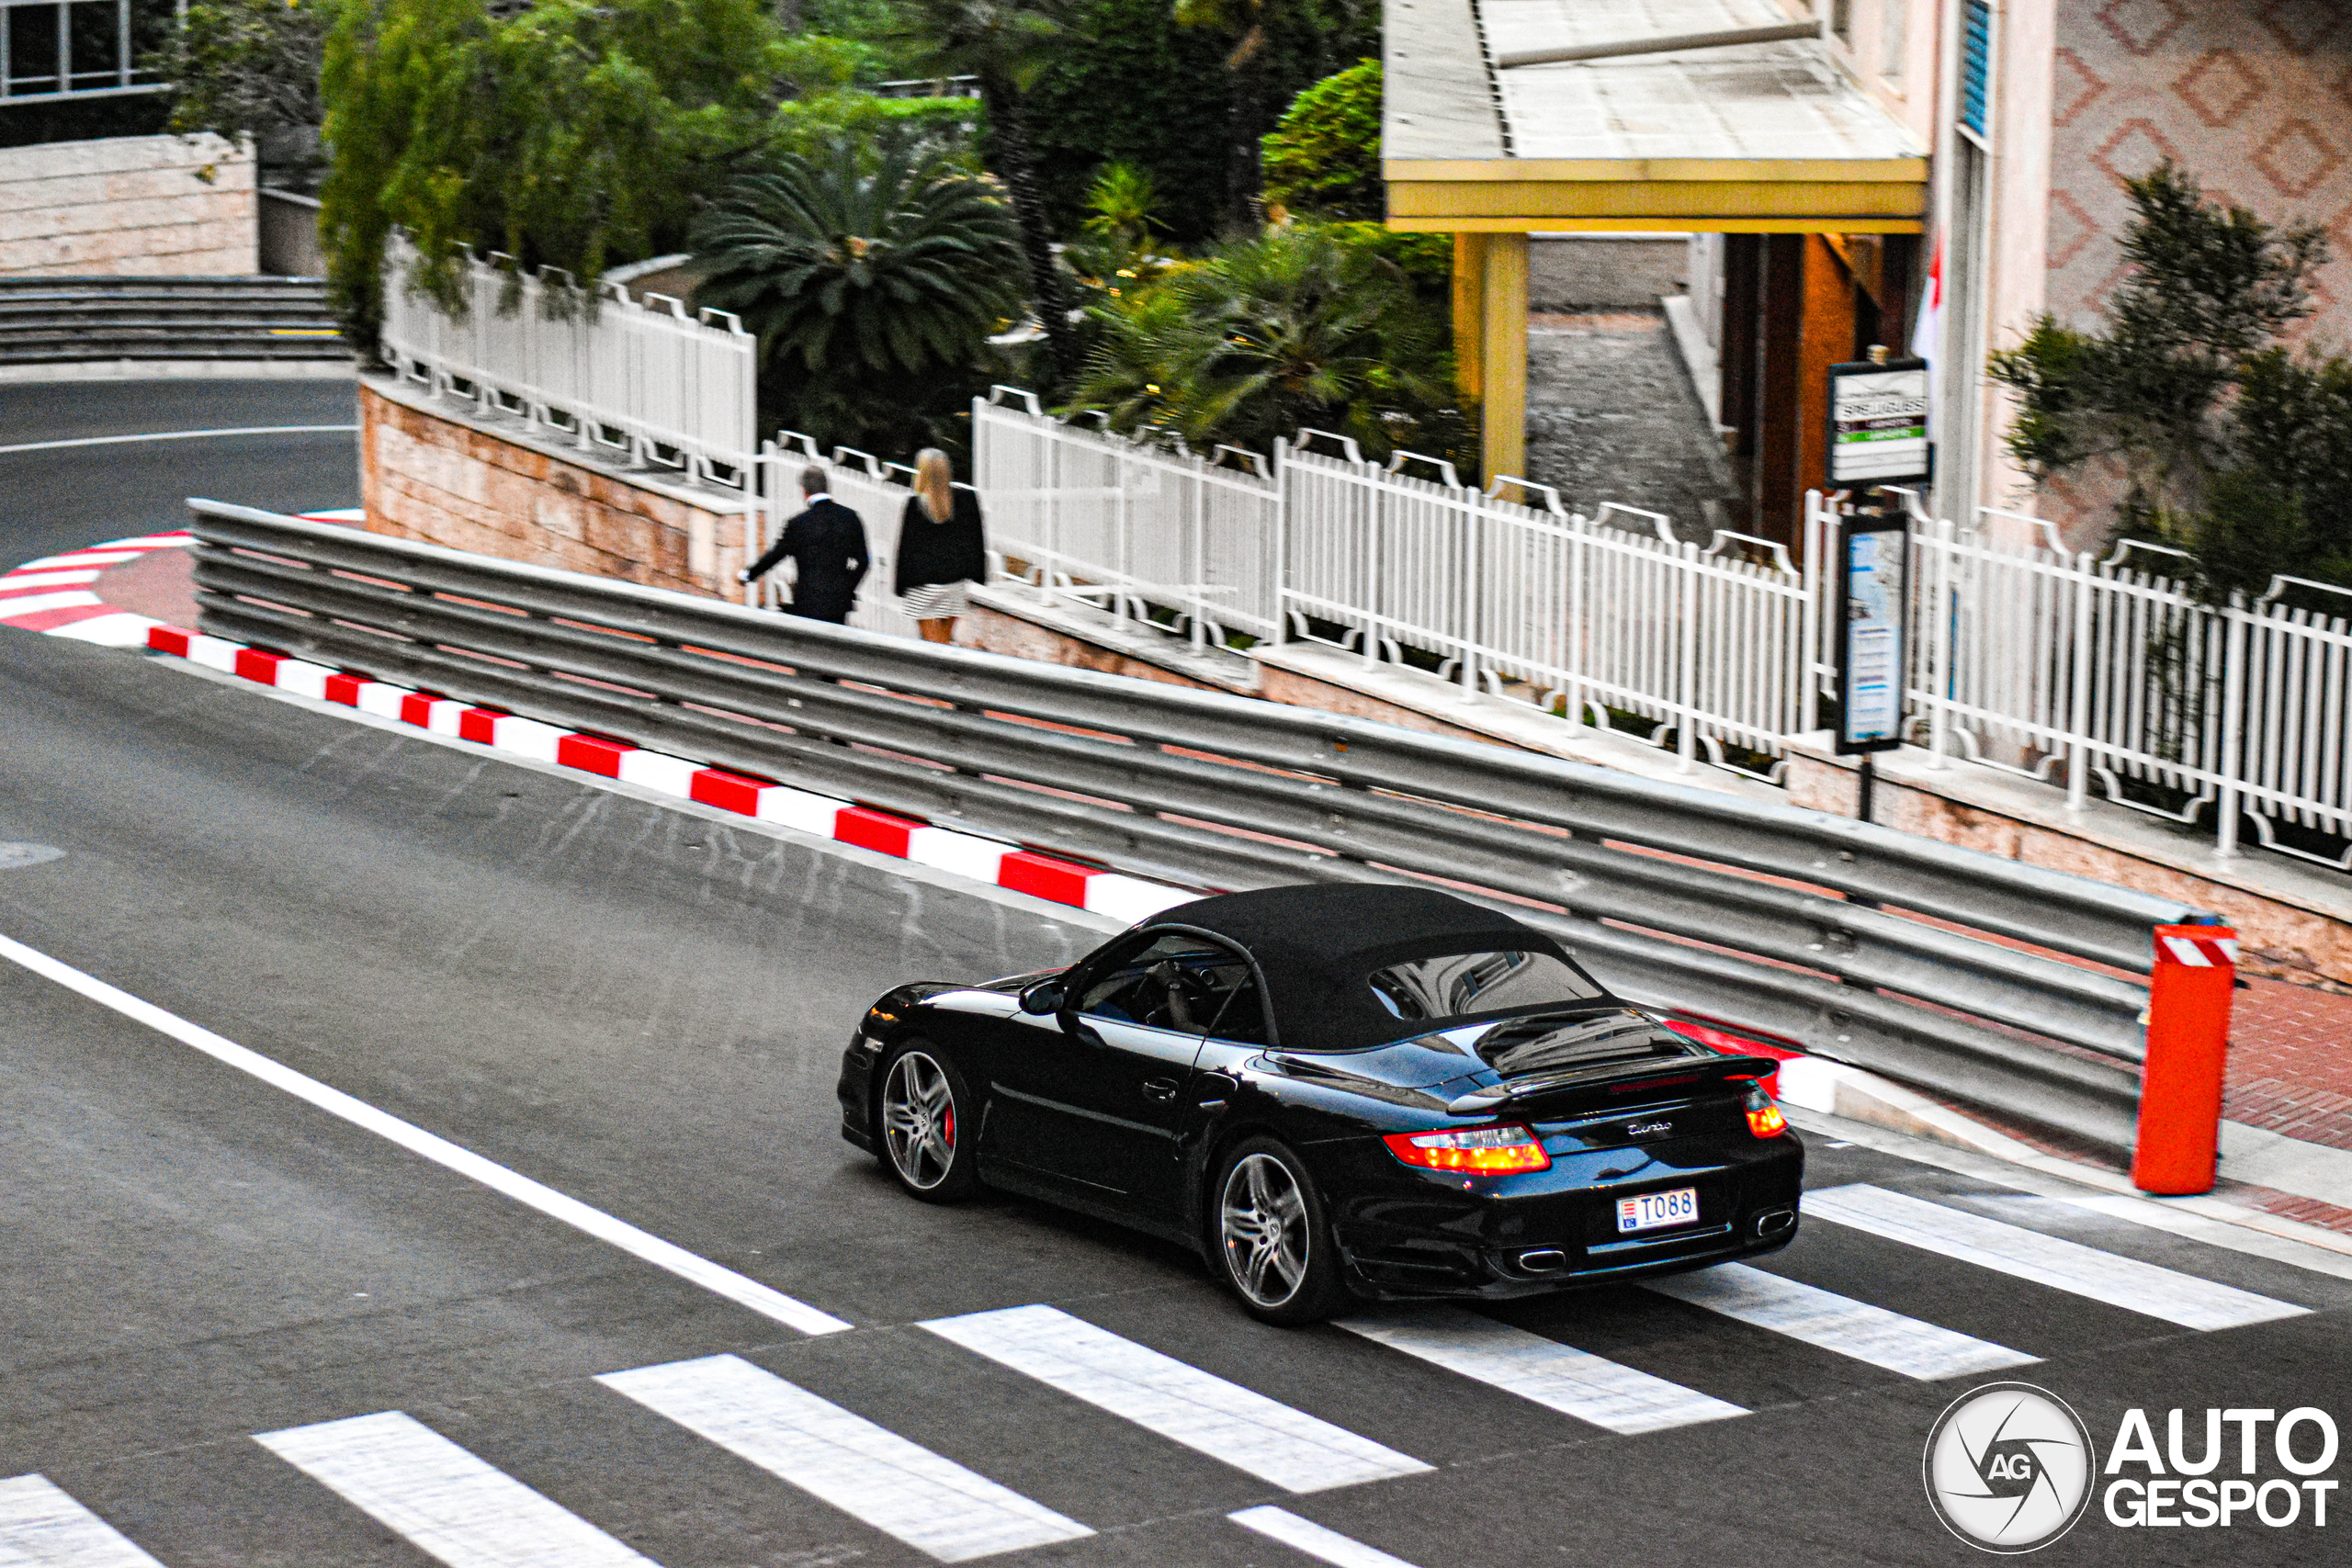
(48, 321)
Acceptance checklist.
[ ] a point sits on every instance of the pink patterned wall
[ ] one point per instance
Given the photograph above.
(2252, 96)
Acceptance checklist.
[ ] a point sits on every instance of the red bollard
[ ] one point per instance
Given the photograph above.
(2188, 1040)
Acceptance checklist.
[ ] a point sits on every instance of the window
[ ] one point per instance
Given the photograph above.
(1183, 983)
(1976, 68)
(1464, 985)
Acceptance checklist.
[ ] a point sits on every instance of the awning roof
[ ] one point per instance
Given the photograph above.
(1757, 136)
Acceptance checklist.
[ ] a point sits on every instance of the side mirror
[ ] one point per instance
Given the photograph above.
(1043, 998)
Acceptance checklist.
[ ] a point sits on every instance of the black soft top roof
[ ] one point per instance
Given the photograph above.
(1316, 943)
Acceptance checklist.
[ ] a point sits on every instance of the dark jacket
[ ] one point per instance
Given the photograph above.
(827, 542)
(949, 551)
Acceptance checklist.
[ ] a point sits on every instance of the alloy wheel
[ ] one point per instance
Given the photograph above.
(918, 1121)
(1262, 1223)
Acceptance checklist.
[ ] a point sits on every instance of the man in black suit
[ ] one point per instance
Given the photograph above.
(827, 545)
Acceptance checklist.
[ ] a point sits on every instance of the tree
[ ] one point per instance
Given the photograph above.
(1323, 157)
(1295, 327)
(250, 69)
(2229, 445)
(1258, 32)
(872, 275)
(1005, 44)
(576, 133)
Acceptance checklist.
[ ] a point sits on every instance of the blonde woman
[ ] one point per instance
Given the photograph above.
(941, 548)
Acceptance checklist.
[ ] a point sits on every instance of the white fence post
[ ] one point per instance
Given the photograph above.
(2233, 747)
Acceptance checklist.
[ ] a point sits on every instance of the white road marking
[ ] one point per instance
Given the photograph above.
(650, 1248)
(1270, 1440)
(25, 581)
(1560, 1377)
(446, 1502)
(2047, 1260)
(1838, 1323)
(98, 556)
(931, 1504)
(2167, 1215)
(1306, 1534)
(182, 435)
(12, 606)
(40, 1527)
(120, 630)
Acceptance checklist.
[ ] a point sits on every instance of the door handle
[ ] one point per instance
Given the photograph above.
(1159, 1089)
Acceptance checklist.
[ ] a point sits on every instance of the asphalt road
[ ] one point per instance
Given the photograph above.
(53, 501)
(641, 1006)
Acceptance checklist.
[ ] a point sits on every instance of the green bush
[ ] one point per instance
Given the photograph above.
(577, 133)
(873, 274)
(1303, 325)
(2231, 449)
(1323, 158)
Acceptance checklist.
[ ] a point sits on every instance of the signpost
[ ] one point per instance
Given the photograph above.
(1878, 423)
(1878, 437)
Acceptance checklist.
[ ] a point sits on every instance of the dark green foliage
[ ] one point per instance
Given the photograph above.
(247, 67)
(1323, 158)
(2231, 449)
(873, 276)
(1146, 92)
(571, 133)
(1298, 327)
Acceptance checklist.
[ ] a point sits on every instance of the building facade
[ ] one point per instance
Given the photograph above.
(1868, 162)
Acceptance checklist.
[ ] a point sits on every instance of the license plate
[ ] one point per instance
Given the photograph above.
(1654, 1211)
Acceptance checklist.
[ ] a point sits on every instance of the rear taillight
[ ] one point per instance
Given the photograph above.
(1492, 1150)
(1764, 1118)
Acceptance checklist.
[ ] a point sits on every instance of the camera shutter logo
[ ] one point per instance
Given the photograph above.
(2009, 1467)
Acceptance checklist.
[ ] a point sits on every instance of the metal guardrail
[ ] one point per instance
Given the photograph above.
(1852, 941)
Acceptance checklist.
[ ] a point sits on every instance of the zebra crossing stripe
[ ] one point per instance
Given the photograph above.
(446, 1502)
(2048, 1260)
(40, 1527)
(1560, 1377)
(1306, 1534)
(931, 1504)
(1838, 1324)
(1270, 1440)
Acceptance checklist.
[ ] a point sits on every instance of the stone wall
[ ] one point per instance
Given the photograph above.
(423, 475)
(128, 207)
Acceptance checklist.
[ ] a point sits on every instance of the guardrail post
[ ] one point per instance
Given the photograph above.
(2179, 1147)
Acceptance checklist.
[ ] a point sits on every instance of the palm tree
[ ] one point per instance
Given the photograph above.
(1005, 44)
(1294, 327)
(870, 272)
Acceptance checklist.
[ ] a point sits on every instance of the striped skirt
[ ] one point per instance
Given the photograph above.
(936, 601)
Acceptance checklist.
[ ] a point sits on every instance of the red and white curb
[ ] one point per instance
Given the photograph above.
(54, 594)
(1000, 864)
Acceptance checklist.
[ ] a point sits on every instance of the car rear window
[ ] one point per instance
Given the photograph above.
(1472, 984)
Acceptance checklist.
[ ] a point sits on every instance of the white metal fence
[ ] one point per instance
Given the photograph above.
(1570, 614)
(2098, 672)
(1125, 526)
(645, 383)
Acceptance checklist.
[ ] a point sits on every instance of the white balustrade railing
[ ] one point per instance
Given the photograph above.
(640, 382)
(1125, 526)
(2053, 663)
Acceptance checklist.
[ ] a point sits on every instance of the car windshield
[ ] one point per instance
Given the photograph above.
(1471, 984)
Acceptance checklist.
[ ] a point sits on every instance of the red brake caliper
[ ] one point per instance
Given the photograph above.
(948, 1125)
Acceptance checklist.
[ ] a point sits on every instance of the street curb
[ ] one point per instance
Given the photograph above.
(990, 861)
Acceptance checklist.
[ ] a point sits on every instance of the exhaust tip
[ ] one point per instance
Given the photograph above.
(1543, 1260)
(1775, 1221)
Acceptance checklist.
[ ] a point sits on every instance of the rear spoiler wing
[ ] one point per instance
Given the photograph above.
(1604, 1083)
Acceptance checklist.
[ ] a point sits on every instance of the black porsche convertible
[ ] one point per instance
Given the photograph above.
(1333, 1092)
